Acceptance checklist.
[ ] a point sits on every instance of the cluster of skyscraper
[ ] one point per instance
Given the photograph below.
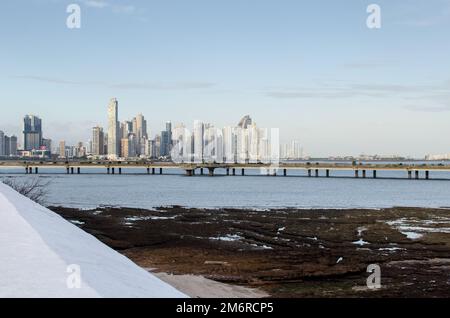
(34, 144)
(126, 139)
(244, 143)
(291, 151)
(206, 143)
(130, 139)
(8, 145)
(77, 151)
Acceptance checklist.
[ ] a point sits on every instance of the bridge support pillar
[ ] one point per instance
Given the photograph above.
(417, 174)
(108, 170)
(120, 170)
(364, 173)
(78, 170)
(201, 171)
(153, 170)
(409, 174)
(210, 172)
(36, 170)
(148, 170)
(160, 171)
(317, 173)
(71, 170)
(113, 170)
(374, 174)
(228, 171)
(189, 172)
(243, 171)
(328, 173)
(234, 171)
(285, 172)
(356, 173)
(309, 172)
(427, 175)
(26, 170)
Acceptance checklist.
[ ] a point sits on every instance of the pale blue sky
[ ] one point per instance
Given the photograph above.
(311, 68)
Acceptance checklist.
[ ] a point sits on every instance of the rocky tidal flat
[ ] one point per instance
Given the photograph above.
(285, 252)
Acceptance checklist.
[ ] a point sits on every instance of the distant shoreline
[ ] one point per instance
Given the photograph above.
(243, 208)
(285, 252)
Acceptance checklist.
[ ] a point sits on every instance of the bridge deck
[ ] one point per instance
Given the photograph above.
(190, 166)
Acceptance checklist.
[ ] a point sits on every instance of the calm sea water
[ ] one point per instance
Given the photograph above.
(134, 189)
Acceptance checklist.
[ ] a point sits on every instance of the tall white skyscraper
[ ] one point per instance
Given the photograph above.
(295, 150)
(182, 144)
(242, 145)
(229, 144)
(213, 145)
(253, 143)
(113, 129)
(264, 147)
(292, 151)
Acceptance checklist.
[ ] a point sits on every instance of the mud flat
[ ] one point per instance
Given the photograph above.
(285, 252)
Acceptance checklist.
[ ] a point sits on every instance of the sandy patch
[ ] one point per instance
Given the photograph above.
(201, 287)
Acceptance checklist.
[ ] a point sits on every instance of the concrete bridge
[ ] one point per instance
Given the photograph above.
(367, 170)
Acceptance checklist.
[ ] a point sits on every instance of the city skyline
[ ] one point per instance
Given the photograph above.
(136, 128)
(244, 142)
(318, 74)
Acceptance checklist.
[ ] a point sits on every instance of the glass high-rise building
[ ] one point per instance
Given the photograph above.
(169, 130)
(13, 145)
(32, 133)
(166, 140)
(2, 144)
(98, 138)
(139, 129)
(198, 141)
(126, 128)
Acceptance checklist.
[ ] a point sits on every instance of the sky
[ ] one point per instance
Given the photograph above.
(311, 68)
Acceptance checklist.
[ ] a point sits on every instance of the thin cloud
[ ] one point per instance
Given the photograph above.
(116, 8)
(45, 79)
(442, 16)
(127, 9)
(390, 88)
(164, 86)
(96, 4)
(53, 80)
(362, 66)
(357, 90)
(309, 94)
(123, 86)
(428, 109)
